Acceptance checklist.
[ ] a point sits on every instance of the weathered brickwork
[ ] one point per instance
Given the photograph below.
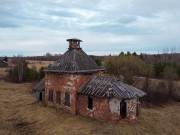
(105, 109)
(131, 109)
(69, 83)
(100, 108)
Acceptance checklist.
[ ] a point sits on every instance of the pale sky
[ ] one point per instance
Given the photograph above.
(34, 27)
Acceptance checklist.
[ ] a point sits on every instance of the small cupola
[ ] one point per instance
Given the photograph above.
(74, 43)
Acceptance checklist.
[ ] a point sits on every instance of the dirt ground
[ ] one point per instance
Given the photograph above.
(20, 114)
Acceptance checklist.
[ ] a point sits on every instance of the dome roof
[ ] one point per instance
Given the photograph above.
(74, 60)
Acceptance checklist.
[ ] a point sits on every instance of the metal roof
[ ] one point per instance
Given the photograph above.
(110, 86)
(74, 39)
(74, 61)
(39, 86)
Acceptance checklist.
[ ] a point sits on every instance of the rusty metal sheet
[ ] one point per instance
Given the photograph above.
(110, 86)
(40, 86)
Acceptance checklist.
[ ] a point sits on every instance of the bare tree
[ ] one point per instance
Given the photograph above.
(20, 65)
(170, 74)
(148, 72)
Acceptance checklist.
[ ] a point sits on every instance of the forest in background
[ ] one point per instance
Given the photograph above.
(158, 75)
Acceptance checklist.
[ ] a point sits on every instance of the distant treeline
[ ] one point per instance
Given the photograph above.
(150, 58)
(159, 62)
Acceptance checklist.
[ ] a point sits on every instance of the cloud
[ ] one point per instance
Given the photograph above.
(107, 26)
(4, 24)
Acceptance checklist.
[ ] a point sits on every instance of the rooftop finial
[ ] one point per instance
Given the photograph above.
(74, 43)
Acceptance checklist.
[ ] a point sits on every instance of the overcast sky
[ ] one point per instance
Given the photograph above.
(34, 27)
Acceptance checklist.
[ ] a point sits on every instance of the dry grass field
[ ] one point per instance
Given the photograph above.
(38, 63)
(4, 72)
(21, 115)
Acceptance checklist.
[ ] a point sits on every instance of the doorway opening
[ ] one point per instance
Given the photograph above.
(40, 96)
(123, 109)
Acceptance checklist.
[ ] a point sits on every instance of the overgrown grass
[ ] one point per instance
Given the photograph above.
(20, 115)
(158, 92)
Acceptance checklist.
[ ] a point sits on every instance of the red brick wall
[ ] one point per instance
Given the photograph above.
(65, 83)
(100, 108)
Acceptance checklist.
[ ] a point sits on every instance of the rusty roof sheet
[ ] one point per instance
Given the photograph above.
(74, 60)
(2, 62)
(40, 86)
(110, 86)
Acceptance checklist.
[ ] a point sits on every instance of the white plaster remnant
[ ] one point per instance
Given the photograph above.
(73, 77)
(70, 84)
(114, 105)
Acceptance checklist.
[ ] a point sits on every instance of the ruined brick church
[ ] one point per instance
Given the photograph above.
(77, 85)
